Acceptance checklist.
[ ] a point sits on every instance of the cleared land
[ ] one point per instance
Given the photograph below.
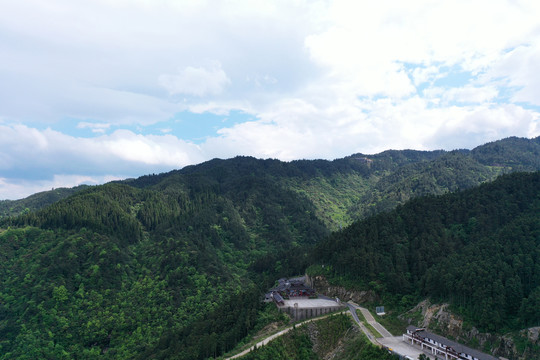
(310, 303)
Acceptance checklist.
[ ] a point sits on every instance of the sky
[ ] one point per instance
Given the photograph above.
(98, 90)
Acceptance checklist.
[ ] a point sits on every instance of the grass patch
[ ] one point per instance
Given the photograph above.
(373, 330)
(392, 323)
(359, 347)
(360, 316)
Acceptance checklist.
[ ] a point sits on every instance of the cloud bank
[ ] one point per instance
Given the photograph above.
(94, 91)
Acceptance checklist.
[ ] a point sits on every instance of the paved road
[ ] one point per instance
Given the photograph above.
(371, 321)
(401, 347)
(365, 330)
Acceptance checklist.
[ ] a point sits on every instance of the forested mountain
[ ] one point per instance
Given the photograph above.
(115, 271)
(35, 201)
(173, 265)
(345, 189)
(478, 249)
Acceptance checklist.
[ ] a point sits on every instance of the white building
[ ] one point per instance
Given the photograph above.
(441, 346)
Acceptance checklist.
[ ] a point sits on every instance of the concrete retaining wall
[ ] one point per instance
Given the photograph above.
(297, 313)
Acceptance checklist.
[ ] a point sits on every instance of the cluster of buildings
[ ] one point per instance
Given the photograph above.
(288, 289)
(441, 346)
(300, 301)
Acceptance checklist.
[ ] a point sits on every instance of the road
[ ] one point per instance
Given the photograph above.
(272, 337)
(371, 321)
(352, 308)
(395, 343)
(365, 330)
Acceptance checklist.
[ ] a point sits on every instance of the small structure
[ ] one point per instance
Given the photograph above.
(441, 346)
(300, 301)
(292, 288)
(379, 310)
(278, 299)
(300, 309)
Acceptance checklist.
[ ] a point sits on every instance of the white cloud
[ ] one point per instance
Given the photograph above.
(14, 189)
(366, 44)
(156, 150)
(197, 81)
(428, 74)
(468, 94)
(519, 69)
(95, 127)
(32, 154)
(370, 127)
(321, 79)
(474, 126)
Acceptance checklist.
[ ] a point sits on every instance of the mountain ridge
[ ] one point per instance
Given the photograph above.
(349, 188)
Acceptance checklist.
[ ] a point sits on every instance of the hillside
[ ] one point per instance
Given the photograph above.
(35, 201)
(347, 189)
(331, 338)
(478, 250)
(114, 271)
(156, 266)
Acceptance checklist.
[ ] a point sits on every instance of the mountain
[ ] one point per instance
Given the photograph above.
(35, 201)
(478, 250)
(172, 265)
(347, 189)
(118, 271)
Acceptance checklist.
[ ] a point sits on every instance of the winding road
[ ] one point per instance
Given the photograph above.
(278, 334)
(352, 309)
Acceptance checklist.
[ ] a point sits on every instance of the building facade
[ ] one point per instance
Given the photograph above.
(441, 346)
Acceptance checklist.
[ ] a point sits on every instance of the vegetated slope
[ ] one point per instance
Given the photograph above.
(156, 266)
(119, 272)
(478, 249)
(358, 186)
(354, 187)
(513, 152)
(449, 172)
(330, 338)
(35, 201)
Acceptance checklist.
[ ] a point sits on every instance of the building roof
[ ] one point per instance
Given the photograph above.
(291, 284)
(456, 346)
(277, 297)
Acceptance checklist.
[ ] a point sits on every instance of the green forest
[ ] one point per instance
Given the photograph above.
(340, 191)
(173, 265)
(120, 272)
(478, 249)
(318, 339)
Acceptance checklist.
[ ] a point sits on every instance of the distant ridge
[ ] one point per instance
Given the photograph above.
(346, 189)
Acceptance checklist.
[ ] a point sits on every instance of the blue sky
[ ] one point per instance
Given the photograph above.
(108, 89)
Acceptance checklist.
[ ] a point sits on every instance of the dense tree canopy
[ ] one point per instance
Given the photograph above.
(342, 190)
(117, 271)
(153, 267)
(479, 249)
